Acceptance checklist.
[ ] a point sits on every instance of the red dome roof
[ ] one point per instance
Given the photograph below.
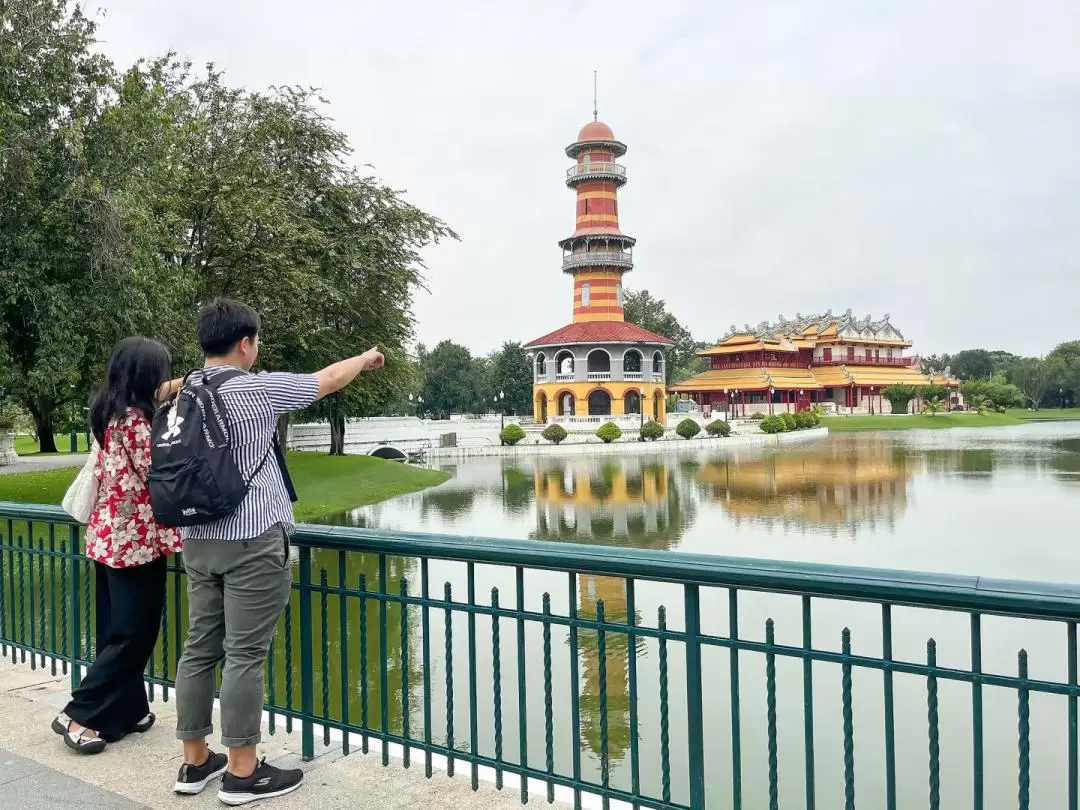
(595, 131)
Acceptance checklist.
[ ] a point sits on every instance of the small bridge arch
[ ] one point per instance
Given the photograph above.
(389, 452)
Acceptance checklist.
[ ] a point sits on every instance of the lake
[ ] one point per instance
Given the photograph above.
(1000, 502)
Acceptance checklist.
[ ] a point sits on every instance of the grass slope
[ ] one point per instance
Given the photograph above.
(1045, 413)
(28, 446)
(325, 484)
(844, 424)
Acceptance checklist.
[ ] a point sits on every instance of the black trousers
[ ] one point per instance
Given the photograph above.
(112, 696)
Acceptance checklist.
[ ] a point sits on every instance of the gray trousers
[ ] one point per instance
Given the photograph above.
(237, 590)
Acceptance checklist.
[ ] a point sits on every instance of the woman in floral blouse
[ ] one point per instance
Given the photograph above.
(129, 550)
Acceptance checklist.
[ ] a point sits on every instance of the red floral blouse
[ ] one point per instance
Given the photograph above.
(121, 532)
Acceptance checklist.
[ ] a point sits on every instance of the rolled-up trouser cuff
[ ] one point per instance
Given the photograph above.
(194, 735)
(241, 742)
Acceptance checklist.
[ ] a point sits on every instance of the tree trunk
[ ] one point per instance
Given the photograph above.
(43, 423)
(283, 431)
(337, 426)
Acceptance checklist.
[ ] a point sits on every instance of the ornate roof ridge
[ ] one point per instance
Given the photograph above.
(787, 328)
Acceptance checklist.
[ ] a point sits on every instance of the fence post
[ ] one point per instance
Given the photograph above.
(76, 604)
(307, 674)
(694, 726)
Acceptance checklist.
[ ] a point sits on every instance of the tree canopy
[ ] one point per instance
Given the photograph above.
(641, 309)
(128, 198)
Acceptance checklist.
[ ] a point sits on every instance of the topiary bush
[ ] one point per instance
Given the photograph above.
(804, 420)
(789, 420)
(688, 428)
(511, 435)
(815, 415)
(554, 433)
(757, 417)
(608, 432)
(773, 424)
(718, 428)
(651, 431)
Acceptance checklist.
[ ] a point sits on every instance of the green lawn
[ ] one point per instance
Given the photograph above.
(325, 484)
(28, 446)
(1045, 413)
(842, 424)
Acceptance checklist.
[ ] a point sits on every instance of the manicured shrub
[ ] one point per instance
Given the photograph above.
(608, 432)
(773, 424)
(554, 433)
(815, 415)
(718, 428)
(789, 420)
(651, 431)
(757, 417)
(511, 434)
(804, 420)
(688, 428)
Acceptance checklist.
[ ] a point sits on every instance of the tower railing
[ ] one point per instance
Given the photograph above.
(605, 168)
(618, 258)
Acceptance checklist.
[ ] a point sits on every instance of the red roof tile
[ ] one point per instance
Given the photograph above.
(599, 332)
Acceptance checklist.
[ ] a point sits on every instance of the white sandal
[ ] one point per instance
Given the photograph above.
(77, 740)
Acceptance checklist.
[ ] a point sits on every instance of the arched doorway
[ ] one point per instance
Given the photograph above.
(541, 366)
(657, 363)
(564, 364)
(657, 404)
(631, 402)
(599, 403)
(541, 407)
(631, 362)
(566, 404)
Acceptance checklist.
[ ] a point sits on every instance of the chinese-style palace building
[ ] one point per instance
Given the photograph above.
(838, 361)
(599, 365)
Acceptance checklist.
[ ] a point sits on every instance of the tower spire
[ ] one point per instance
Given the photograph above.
(595, 113)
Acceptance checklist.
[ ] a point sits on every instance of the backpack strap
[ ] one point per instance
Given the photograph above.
(216, 381)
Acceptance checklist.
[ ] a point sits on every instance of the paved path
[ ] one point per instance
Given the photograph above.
(33, 463)
(139, 771)
(26, 784)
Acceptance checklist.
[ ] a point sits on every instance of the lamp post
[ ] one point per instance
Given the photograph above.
(73, 436)
(502, 410)
(419, 406)
(772, 393)
(3, 395)
(871, 400)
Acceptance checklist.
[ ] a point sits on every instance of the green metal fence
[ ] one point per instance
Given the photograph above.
(619, 675)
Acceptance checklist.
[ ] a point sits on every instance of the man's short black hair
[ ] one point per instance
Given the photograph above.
(223, 323)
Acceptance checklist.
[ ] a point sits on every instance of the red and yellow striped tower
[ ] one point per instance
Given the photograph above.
(598, 366)
(597, 254)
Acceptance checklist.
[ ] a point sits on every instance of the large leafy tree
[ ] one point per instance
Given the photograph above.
(509, 373)
(1034, 376)
(450, 380)
(1066, 356)
(973, 364)
(58, 221)
(641, 309)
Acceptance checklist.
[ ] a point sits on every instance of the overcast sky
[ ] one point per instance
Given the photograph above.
(917, 157)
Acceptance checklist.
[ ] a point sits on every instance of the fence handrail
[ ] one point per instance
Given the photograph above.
(1045, 600)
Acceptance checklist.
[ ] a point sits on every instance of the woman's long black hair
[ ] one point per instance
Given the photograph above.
(137, 368)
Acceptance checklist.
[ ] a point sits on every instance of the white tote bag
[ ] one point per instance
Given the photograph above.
(81, 497)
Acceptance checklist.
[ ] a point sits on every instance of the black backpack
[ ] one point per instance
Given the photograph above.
(194, 478)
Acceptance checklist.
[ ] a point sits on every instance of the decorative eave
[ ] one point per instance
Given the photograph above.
(617, 148)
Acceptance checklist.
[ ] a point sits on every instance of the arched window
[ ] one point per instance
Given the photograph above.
(585, 290)
(658, 363)
(599, 362)
(632, 402)
(599, 403)
(541, 366)
(564, 363)
(631, 362)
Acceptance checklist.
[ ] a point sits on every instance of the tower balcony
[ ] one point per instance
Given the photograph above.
(622, 259)
(608, 172)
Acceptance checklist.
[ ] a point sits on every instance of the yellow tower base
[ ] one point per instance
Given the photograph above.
(653, 398)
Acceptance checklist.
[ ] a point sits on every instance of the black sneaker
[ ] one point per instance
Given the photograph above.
(193, 779)
(267, 782)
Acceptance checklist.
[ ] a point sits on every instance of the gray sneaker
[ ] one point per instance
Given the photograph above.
(193, 779)
(267, 782)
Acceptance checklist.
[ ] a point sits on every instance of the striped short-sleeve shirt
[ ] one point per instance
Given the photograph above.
(254, 402)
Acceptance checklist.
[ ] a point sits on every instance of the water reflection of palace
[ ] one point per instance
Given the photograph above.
(831, 486)
(611, 502)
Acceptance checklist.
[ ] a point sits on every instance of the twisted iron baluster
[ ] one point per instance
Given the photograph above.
(770, 699)
(849, 730)
(1024, 733)
(932, 719)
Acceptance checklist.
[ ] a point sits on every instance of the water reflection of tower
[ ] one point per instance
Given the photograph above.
(616, 503)
(862, 482)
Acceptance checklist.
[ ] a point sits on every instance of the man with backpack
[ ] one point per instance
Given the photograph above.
(219, 473)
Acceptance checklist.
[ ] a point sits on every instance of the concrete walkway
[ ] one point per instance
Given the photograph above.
(36, 770)
(35, 463)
